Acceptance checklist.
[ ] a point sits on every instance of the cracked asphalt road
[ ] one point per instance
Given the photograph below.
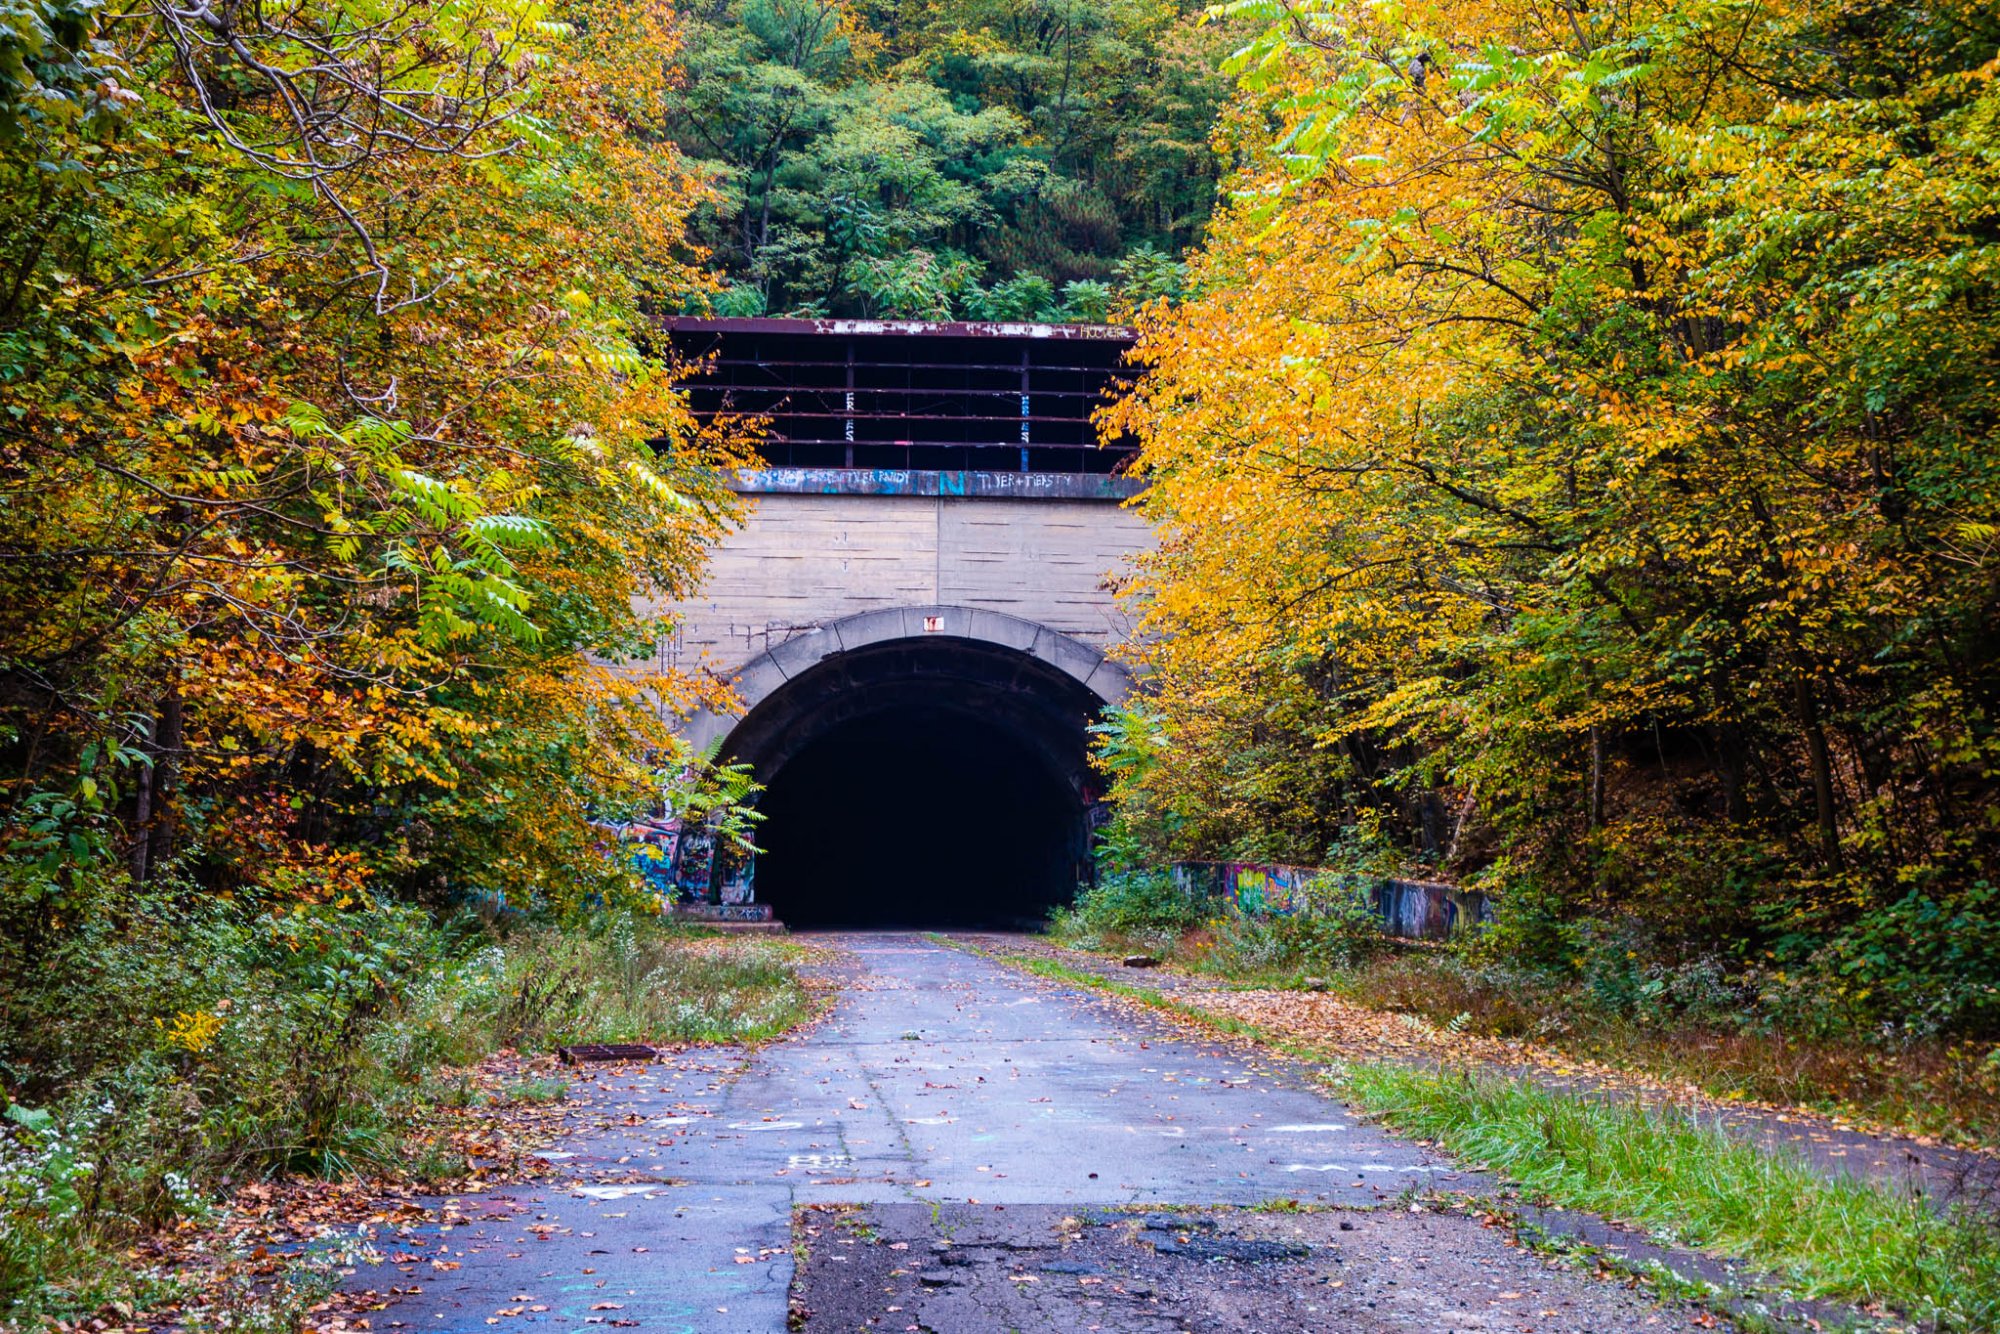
(939, 1080)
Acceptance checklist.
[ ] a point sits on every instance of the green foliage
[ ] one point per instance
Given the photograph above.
(1128, 745)
(1337, 929)
(1142, 906)
(718, 797)
(336, 467)
(1933, 964)
(1001, 160)
(197, 1041)
(1574, 452)
(1664, 1168)
(43, 1175)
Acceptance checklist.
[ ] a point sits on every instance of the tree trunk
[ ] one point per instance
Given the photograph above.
(1822, 770)
(142, 826)
(168, 743)
(1596, 778)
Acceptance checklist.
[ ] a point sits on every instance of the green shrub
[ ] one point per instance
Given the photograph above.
(1337, 928)
(1921, 966)
(1128, 907)
(190, 1041)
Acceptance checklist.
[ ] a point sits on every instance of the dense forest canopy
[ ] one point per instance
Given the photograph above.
(330, 445)
(1576, 470)
(996, 159)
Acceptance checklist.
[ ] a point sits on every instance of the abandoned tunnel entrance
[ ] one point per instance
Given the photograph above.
(916, 817)
(933, 782)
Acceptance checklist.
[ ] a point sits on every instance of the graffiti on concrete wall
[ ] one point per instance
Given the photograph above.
(1426, 911)
(1419, 909)
(696, 876)
(684, 866)
(738, 875)
(721, 912)
(654, 849)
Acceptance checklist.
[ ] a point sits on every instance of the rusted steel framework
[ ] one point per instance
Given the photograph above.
(907, 395)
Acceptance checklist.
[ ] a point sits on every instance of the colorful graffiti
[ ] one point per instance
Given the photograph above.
(736, 872)
(1419, 909)
(696, 876)
(1422, 910)
(684, 866)
(721, 912)
(653, 847)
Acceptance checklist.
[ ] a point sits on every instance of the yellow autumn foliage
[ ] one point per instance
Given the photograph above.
(1573, 461)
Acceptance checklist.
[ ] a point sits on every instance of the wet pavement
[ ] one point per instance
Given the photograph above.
(1221, 1271)
(1944, 1175)
(938, 1079)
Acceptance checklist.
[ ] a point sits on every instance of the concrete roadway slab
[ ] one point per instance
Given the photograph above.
(1221, 1271)
(938, 1078)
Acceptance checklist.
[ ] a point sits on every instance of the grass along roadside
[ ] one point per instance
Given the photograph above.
(1933, 1089)
(1695, 1186)
(1688, 1025)
(638, 982)
(1688, 1183)
(244, 1082)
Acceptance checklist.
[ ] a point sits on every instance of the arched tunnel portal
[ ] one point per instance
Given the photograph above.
(926, 779)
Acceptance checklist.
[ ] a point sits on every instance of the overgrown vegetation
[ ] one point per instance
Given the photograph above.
(1145, 909)
(1575, 469)
(1613, 1003)
(239, 1045)
(1127, 907)
(987, 160)
(1684, 1027)
(1695, 1185)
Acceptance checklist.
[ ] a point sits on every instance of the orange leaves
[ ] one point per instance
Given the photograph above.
(216, 518)
(1518, 423)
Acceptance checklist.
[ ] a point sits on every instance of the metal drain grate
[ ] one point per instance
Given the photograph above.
(605, 1051)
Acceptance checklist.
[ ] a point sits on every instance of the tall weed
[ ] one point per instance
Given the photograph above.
(1667, 1169)
(156, 1058)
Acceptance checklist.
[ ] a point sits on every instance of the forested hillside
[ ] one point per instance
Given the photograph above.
(329, 445)
(1577, 473)
(1570, 430)
(997, 159)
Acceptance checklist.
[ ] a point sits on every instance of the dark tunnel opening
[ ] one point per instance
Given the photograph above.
(919, 813)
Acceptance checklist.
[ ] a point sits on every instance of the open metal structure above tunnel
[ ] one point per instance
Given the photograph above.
(910, 395)
(918, 611)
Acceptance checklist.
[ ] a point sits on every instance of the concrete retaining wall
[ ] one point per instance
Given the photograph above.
(1418, 909)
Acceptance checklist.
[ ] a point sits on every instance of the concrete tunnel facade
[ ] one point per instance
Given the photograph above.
(917, 652)
(923, 765)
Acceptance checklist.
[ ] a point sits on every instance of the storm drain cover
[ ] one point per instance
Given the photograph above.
(605, 1051)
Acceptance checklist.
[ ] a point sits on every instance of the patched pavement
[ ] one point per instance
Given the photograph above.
(1231, 1271)
(939, 1082)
